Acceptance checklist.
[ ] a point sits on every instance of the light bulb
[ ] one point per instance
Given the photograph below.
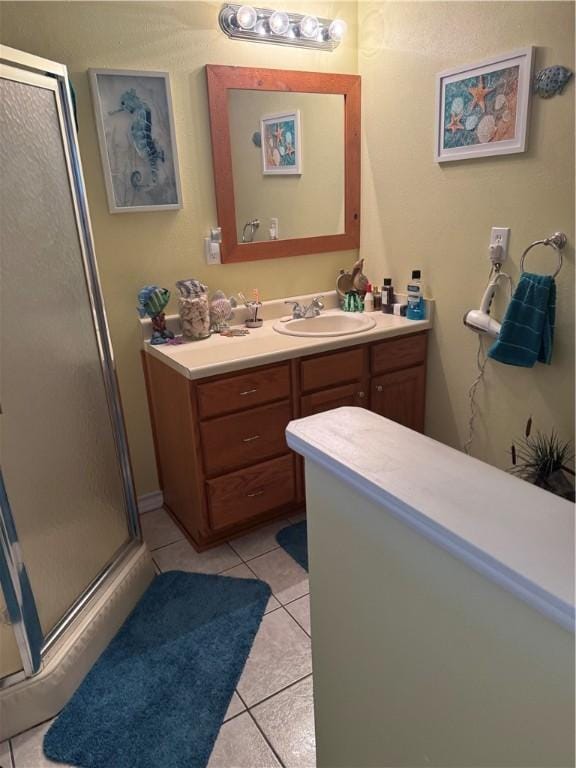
(309, 27)
(246, 17)
(337, 30)
(279, 23)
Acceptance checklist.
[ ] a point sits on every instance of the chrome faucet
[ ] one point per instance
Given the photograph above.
(312, 310)
(253, 224)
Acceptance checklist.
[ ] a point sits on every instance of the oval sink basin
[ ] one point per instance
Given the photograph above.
(327, 324)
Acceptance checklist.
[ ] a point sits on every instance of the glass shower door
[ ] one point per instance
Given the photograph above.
(64, 457)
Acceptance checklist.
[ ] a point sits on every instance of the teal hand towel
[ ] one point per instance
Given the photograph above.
(527, 332)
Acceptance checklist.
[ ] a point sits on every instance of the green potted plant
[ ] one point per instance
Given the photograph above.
(544, 459)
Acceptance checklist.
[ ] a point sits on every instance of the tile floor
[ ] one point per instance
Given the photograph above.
(270, 720)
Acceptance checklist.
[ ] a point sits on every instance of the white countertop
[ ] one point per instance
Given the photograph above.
(221, 354)
(519, 535)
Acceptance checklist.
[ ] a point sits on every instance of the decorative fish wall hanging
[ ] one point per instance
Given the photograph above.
(551, 80)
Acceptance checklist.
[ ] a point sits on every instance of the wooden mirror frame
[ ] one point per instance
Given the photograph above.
(220, 80)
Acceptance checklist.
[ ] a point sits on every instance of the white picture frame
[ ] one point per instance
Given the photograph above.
(482, 109)
(276, 128)
(135, 125)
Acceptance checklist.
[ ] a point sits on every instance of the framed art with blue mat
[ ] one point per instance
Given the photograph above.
(159, 693)
(294, 540)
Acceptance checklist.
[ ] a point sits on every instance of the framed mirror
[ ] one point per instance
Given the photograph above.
(286, 155)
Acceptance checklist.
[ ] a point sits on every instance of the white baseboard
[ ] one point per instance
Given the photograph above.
(148, 502)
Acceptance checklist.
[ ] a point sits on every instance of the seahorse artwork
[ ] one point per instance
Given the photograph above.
(141, 134)
(152, 302)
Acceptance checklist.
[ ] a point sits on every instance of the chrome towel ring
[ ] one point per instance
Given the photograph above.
(557, 241)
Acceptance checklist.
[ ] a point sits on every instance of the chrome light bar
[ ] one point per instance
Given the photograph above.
(264, 25)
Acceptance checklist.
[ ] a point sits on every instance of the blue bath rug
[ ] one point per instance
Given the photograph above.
(157, 696)
(294, 539)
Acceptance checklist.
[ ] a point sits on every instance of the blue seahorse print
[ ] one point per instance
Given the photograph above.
(141, 133)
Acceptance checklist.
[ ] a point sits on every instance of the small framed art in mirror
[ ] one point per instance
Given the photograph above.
(286, 156)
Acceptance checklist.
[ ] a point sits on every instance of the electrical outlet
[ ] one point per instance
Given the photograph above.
(499, 236)
(211, 251)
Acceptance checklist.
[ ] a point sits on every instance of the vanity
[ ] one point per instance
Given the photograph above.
(220, 408)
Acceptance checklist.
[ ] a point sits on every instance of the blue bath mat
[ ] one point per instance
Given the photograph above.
(157, 696)
(294, 539)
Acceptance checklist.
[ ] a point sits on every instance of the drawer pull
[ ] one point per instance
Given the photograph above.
(250, 439)
(379, 388)
(361, 395)
(256, 493)
(248, 392)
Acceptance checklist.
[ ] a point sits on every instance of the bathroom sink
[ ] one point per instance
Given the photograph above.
(335, 323)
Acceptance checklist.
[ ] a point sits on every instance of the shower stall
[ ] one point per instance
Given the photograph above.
(72, 563)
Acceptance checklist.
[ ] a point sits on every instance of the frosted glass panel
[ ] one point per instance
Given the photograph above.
(9, 654)
(59, 458)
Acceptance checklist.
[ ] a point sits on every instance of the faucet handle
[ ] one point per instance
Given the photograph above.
(317, 302)
(296, 308)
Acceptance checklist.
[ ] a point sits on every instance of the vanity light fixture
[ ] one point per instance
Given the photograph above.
(309, 27)
(264, 25)
(246, 17)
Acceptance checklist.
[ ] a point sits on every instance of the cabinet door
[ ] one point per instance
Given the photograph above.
(335, 397)
(400, 396)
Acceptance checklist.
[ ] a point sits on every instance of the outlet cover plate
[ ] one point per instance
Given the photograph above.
(500, 236)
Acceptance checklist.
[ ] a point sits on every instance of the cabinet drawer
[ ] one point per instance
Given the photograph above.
(243, 391)
(398, 353)
(335, 397)
(230, 442)
(250, 492)
(335, 368)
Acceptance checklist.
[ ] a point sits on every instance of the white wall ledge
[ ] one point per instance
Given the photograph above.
(516, 534)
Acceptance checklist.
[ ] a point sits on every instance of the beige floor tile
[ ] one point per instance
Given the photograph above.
(300, 610)
(280, 656)
(297, 518)
(241, 745)
(158, 529)
(287, 579)
(27, 749)
(287, 721)
(5, 757)
(243, 572)
(235, 707)
(182, 556)
(260, 541)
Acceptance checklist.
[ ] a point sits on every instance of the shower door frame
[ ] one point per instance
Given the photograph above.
(31, 641)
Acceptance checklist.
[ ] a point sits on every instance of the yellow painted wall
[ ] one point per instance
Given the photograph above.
(140, 248)
(416, 213)
(419, 214)
(307, 204)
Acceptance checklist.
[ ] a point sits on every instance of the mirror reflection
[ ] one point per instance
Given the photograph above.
(288, 164)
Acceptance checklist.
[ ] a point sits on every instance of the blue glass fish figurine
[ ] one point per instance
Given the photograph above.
(550, 81)
(152, 302)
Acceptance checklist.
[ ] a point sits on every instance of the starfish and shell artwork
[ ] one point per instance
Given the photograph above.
(483, 111)
(137, 143)
(281, 142)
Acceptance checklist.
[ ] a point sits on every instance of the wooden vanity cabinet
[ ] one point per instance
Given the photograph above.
(398, 384)
(223, 462)
(334, 379)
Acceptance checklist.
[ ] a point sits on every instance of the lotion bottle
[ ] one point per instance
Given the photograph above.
(369, 299)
